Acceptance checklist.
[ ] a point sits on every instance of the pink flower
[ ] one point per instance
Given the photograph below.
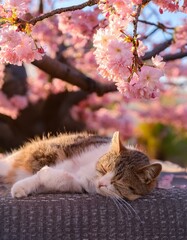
(116, 7)
(170, 5)
(47, 33)
(20, 7)
(6, 106)
(181, 35)
(17, 47)
(79, 23)
(137, 1)
(105, 120)
(20, 102)
(157, 62)
(113, 55)
(166, 181)
(120, 50)
(141, 48)
(102, 38)
(145, 85)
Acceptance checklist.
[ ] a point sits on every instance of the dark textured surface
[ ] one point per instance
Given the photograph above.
(161, 215)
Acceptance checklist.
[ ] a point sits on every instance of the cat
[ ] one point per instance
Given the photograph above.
(79, 162)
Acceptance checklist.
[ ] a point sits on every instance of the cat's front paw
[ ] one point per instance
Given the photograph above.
(18, 190)
(44, 174)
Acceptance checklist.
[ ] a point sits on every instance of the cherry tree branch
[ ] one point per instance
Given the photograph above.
(33, 21)
(41, 7)
(135, 21)
(161, 47)
(158, 25)
(172, 57)
(71, 75)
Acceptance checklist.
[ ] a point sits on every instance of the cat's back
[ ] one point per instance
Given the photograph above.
(49, 151)
(76, 143)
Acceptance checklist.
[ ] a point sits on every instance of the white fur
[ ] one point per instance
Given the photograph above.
(72, 175)
(25, 186)
(6, 164)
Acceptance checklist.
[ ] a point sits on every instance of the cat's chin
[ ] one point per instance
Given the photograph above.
(104, 191)
(133, 197)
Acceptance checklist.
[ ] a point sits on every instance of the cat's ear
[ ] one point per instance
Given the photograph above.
(149, 173)
(116, 144)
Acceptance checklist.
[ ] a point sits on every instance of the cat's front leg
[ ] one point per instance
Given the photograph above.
(58, 180)
(23, 188)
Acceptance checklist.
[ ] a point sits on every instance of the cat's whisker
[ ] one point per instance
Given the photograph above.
(128, 205)
(132, 209)
(114, 199)
(123, 205)
(117, 205)
(120, 203)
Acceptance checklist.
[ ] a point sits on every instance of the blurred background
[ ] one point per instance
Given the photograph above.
(34, 102)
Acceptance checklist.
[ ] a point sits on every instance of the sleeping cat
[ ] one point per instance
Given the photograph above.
(78, 163)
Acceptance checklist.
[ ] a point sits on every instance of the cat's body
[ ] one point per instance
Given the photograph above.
(78, 163)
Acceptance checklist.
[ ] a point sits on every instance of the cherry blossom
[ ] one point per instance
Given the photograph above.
(181, 35)
(145, 85)
(101, 42)
(6, 107)
(105, 118)
(20, 102)
(47, 34)
(166, 181)
(157, 62)
(81, 23)
(17, 47)
(170, 5)
(18, 7)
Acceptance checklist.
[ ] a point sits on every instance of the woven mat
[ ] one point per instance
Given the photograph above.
(161, 215)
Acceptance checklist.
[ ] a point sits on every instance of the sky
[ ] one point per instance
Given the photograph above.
(173, 17)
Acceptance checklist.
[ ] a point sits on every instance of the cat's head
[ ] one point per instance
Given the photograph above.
(125, 172)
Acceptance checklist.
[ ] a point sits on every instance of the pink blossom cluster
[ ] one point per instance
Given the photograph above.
(118, 54)
(113, 55)
(171, 5)
(86, 63)
(12, 106)
(17, 7)
(181, 36)
(17, 47)
(175, 69)
(122, 8)
(115, 60)
(144, 85)
(39, 87)
(17, 44)
(98, 115)
(166, 181)
(47, 34)
(173, 115)
(79, 23)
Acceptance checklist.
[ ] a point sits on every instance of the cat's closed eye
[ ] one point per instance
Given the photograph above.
(102, 170)
(131, 189)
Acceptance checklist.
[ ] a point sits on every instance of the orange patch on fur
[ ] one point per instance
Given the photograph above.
(10, 178)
